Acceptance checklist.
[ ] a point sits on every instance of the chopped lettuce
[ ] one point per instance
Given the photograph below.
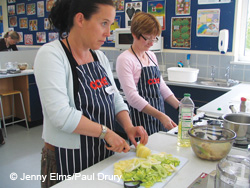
(155, 168)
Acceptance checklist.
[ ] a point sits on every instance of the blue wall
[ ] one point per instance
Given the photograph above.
(227, 11)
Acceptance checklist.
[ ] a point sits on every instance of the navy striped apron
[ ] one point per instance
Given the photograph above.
(97, 105)
(149, 88)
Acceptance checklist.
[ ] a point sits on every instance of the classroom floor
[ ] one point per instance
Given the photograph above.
(21, 154)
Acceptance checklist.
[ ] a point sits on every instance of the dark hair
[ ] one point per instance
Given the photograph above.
(63, 12)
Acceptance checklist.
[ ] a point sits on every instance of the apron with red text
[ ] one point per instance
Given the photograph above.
(97, 105)
(149, 88)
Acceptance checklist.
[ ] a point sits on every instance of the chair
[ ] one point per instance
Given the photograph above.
(12, 93)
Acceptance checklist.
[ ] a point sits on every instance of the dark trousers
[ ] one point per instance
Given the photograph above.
(48, 166)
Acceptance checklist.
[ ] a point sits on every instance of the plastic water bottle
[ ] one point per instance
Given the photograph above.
(186, 111)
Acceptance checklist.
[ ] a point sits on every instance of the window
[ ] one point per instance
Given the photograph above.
(247, 40)
(242, 35)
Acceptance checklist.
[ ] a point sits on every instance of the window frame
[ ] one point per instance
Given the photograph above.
(240, 32)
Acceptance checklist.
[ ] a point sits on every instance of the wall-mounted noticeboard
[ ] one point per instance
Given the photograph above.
(34, 26)
(30, 19)
(206, 43)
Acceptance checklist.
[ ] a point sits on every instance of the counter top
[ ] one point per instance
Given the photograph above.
(220, 105)
(196, 84)
(23, 73)
(224, 101)
(184, 84)
(183, 178)
(232, 96)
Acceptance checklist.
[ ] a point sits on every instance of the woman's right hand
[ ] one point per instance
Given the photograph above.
(116, 143)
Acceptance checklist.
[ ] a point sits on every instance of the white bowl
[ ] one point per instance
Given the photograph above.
(180, 74)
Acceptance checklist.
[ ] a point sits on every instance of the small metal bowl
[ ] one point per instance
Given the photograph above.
(211, 142)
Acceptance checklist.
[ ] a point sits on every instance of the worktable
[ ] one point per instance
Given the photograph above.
(161, 142)
(220, 105)
(23, 73)
(24, 82)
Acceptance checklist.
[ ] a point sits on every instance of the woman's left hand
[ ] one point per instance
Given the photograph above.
(137, 131)
(167, 122)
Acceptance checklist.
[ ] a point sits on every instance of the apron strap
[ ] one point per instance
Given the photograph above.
(139, 59)
(94, 55)
(136, 55)
(73, 65)
(150, 58)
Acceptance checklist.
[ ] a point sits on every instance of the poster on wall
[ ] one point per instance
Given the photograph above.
(208, 22)
(11, 1)
(1, 21)
(115, 25)
(33, 25)
(131, 9)
(41, 37)
(20, 8)
(158, 9)
(182, 7)
(49, 5)
(53, 36)
(21, 36)
(40, 8)
(31, 9)
(11, 10)
(23, 23)
(12, 21)
(46, 24)
(181, 32)
(28, 39)
(119, 5)
(203, 2)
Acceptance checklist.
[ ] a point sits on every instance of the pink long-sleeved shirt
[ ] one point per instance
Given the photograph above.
(128, 70)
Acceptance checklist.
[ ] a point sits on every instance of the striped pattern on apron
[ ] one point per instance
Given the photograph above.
(149, 88)
(97, 105)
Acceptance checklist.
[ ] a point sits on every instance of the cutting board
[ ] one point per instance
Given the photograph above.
(109, 171)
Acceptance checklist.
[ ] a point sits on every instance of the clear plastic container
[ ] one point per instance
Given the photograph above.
(186, 111)
(233, 172)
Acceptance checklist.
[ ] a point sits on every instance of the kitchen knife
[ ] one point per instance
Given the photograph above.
(132, 149)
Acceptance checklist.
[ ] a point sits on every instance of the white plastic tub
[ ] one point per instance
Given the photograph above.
(180, 74)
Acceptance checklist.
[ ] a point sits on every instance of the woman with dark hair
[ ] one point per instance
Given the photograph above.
(11, 38)
(79, 98)
(141, 80)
